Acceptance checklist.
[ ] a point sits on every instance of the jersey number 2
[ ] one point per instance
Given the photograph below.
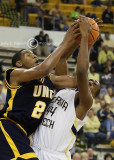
(39, 109)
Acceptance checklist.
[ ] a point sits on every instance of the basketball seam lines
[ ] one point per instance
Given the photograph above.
(95, 30)
(92, 36)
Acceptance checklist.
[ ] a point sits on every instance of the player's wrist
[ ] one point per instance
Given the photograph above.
(85, 35)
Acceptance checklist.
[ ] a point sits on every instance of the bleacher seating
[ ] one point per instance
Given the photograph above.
(9, 16)
(7, 53)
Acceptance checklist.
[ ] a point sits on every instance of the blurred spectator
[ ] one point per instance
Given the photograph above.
(38, 3)
(109, 64)
(112, 106)
(107, 156)
(91, 129)
(55, 10)
(101, 97)
(100, 111)
(96, 105)
(109, 97)
(82, 12)
(2, 95)
(107, 77)
(64, 26)
(39, 19)
(107, 15)
(103, 89)
(20, 4)
(51, 46)
(91, 15)
(84, 156)
(75, 13)
(105, 115)
(34, 8)
(57, 20)
(92, 74)
(76, 156)
(108, 41)
(91, 154)
(49, 43)
(46, 36)
(49, 23)
(104, 53)
(96, 3)
(42, 48)
(98, 44)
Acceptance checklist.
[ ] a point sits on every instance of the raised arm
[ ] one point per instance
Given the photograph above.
(61, 67)
(85, 96)
(25, 75)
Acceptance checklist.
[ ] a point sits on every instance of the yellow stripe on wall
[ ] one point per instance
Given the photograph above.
(10, 102)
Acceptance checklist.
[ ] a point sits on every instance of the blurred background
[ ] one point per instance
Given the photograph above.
(40, 25)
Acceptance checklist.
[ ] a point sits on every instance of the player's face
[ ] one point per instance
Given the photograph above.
(94, 86)
(29, 59)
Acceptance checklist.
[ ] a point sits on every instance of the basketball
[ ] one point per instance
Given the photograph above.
(94, 34)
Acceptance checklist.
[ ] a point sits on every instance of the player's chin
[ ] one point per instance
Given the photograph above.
(36, 64)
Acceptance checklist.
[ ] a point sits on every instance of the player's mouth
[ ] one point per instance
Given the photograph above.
(37, 62)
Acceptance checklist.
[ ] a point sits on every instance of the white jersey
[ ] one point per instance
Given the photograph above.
(57, 133)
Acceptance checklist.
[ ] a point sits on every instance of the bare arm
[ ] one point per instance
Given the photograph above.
(85, 97)
(24, 75)
(61, 67)
(64, 81)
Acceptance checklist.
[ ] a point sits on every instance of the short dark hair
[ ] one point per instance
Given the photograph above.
(107, 155)
(16, 57)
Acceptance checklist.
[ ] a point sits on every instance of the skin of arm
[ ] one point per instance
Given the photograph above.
(61, 67)
(85, 97)
(25, 75)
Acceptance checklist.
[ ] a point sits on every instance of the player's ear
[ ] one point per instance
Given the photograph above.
(19, 63)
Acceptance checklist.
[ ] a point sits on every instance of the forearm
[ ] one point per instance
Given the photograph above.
(83, 56)
(61, 67)
(51, 61)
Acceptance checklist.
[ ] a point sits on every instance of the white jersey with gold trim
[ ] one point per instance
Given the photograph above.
(57, 133)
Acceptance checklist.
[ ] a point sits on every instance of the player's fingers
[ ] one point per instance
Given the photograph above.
(76, 30)
(77, 35)
(74, 23)
(101, 26)
(75, 27)
(81, 16)
(100, 21)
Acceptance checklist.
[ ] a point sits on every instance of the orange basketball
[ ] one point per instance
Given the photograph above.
(94, 34)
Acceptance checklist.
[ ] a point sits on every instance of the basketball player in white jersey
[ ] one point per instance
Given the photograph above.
(67, 111)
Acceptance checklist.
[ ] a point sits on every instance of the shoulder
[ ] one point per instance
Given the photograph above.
(8, 73)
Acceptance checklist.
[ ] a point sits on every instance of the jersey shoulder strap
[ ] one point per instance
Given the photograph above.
(7, 78)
